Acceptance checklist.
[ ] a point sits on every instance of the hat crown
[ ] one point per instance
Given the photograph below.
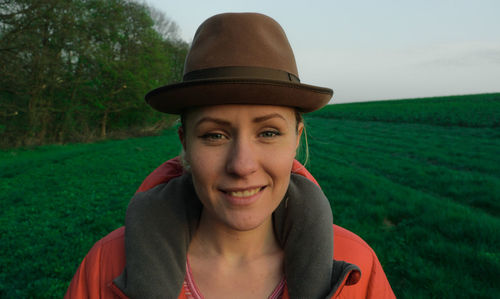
(241, 40)
(239, 59)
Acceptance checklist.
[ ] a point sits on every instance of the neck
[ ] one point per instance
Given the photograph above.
(215, 239)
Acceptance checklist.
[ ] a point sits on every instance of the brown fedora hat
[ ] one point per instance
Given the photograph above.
(239, 58)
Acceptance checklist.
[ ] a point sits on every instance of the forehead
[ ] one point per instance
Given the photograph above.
(238, 113)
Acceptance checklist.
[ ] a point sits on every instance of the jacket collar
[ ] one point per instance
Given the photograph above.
(160, 223)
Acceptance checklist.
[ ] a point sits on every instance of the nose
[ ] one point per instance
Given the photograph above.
(242, 160)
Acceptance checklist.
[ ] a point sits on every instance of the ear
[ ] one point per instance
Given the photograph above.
(182, 137)
(300, 129)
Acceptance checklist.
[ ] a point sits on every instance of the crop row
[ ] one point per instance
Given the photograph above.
(464, 111)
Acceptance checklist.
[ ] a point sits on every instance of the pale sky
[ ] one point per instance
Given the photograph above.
(376, 50)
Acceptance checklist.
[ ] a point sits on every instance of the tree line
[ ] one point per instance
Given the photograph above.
(78, 70)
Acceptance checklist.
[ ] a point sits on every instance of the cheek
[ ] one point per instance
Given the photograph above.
(282, 154)
(201, 175)
(199, 164)
(279, 162)
(206, 166)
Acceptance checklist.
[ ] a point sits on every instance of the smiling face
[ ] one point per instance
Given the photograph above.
(240, 158)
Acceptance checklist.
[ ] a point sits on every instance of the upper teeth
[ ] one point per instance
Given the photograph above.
(245, 193)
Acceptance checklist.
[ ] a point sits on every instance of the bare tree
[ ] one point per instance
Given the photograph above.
(166, 27)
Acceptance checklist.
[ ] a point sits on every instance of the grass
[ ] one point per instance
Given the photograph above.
(56, 201)
(464, 111)
(423, 191)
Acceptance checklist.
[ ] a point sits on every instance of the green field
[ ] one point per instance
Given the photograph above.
(419, 180)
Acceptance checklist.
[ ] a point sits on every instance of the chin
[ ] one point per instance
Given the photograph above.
(242, 224)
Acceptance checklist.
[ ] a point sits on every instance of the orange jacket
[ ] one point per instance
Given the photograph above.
(106, 260)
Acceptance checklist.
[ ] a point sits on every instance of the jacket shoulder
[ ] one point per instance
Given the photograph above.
(104, 262)
(351, 248)
(348, 245)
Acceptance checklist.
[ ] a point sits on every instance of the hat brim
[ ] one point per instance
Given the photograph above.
(175, 98)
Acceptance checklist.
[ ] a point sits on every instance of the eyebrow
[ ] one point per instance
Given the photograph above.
(266, 117)
(214, 120)
(227, 123)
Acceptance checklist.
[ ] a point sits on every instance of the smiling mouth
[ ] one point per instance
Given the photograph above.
(245, 193)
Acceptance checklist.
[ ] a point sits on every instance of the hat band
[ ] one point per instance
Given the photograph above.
(233, 72)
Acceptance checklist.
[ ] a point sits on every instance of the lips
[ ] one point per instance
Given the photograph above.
(242, 196)
(244, 193)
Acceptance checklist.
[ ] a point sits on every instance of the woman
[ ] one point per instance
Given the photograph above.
(241, 218)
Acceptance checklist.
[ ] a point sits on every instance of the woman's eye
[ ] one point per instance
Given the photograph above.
(270, 134)
(212, 136)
